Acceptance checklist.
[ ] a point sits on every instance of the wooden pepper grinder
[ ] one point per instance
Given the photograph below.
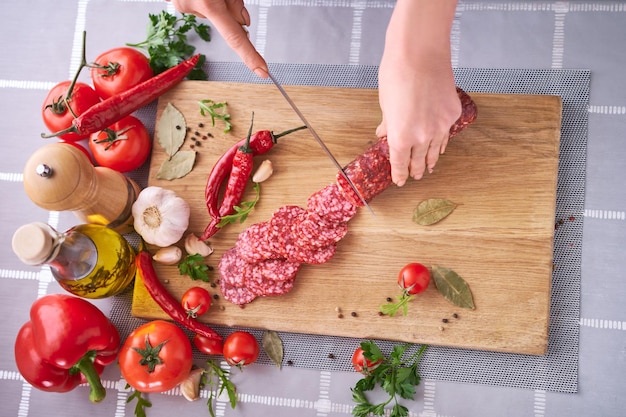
(60, 177)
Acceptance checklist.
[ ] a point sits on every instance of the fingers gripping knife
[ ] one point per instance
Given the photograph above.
(318, 139)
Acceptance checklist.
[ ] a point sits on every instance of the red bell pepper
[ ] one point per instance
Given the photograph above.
(68, 341)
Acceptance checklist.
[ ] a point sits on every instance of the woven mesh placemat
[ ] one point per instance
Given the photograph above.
(558, 369)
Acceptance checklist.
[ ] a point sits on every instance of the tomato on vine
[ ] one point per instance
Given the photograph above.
(124, 146)
(412, 279)
(155, 357)
(58, 110)
(241, 349)
(118, 70)
(196, 301)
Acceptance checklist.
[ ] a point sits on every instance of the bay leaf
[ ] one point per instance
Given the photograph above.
(177, 166)
(273, 347)
(432, 211)
(171, 129)
(454, 288)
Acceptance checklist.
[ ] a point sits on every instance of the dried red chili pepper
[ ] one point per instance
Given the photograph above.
(165, 300)
(109, 111)
(261, 142)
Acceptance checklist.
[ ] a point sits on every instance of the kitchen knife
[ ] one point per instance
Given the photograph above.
(318, 139)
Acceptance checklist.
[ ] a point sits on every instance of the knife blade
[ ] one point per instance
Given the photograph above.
(319, 140)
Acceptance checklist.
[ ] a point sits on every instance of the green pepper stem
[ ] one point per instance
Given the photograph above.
(286, 132)
(86, 367)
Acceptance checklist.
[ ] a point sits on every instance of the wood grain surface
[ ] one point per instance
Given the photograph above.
(502, 171)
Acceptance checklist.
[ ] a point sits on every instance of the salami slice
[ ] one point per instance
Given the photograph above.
(253, 244)
(233, 269)
(311, 256)
(331, 205)
(278, 269)
(314, 232)
(280, 234)
(236, 295)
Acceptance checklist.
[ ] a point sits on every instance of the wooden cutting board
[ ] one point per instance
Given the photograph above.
(502, 171)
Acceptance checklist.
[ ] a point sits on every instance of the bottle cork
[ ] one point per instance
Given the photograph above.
(59, 177)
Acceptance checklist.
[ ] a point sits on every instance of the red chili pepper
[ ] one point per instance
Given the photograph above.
(109, 111)
(261, 142)
(165, 300)
(68, 341)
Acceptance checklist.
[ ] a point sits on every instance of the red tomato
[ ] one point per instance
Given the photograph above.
(196, 301)
(414, 278)
(124, 146)
(55, 112)
(155, 357)
(362, 365)
(241, 349)
(118, 70)
(208, 346)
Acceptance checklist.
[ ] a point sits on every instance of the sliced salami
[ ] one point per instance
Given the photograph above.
(330, 203)
(233, 269)
(278, 269)
(311, 256)
(280, 234)
(314, 232)
(253, 243)
(236, 295)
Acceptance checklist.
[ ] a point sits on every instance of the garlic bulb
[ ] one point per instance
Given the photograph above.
(160, 216)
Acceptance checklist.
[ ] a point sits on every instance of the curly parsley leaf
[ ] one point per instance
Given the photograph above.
(167, 44)
(142, 403)
(212, 109)
(397, 376)
(194, 267)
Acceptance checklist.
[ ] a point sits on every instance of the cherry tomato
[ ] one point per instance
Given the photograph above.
(56, 114)
(155, 357)
(118, 70)
(196, 301)
(124, 146)
(208, 346)
(241, 349)
(414, 278)
(362, 365)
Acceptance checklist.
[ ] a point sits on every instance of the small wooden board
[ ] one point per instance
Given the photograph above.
(502, 171)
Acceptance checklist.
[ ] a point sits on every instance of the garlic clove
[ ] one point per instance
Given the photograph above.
(263, 172)
(193, 245)
(190, 387)
(170, 255)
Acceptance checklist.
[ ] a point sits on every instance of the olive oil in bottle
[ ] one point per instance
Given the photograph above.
(88, 260)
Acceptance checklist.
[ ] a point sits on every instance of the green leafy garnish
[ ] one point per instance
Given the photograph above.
(167, 43)
(216, 377)
(209, 107)
(142, 403)
(194, 267)
(396, 376)
(242, 210)
(391, 309)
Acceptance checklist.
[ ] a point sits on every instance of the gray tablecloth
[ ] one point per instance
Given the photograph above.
(41, 46)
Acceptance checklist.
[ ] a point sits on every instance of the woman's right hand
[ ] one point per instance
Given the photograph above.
(229, 18)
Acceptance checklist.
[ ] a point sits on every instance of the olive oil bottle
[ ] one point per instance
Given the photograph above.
(88, 260)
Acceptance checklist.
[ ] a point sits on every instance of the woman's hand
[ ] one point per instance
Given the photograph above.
(229, 18)
(417, 92)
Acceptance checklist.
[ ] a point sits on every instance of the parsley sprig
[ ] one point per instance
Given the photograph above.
(397, 376)
(195, 267)
(142, 403)
(216, 111)
(242, 210)
(216, 379)
(167, 43)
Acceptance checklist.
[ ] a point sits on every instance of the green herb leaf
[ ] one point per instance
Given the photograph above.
(210, 108)
(194, 267)
(142, 403)
(432, 211)
(167, 44)
(453, 287)
(217, 379)
(179, 165)
(171, 129)
(273, 347)
(242, 210)
(395, 375)
(391, 309)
